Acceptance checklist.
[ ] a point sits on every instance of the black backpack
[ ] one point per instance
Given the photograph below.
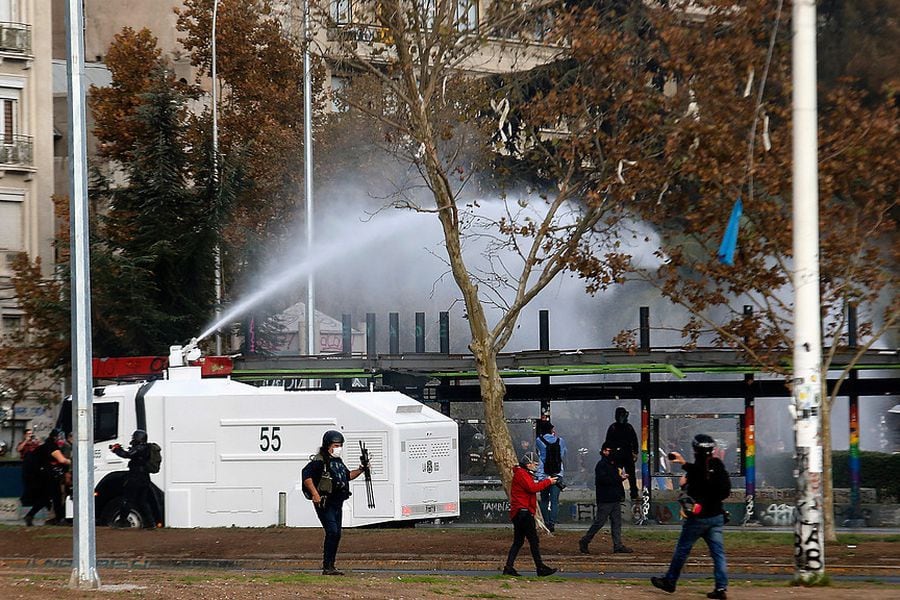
(553, 457)
(155, 460)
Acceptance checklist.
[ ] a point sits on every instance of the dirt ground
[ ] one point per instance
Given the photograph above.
(283, 563)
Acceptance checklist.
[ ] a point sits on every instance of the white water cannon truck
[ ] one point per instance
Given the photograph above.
(232, 453)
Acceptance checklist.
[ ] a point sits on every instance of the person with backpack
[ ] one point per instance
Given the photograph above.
(610, 494)
(143, 460)
(326, 481)
(705, 485)
(551, 450)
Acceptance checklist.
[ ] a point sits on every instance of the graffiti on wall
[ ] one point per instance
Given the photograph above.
(777, 515)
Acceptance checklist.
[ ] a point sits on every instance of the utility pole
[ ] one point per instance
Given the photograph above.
(308, 180)
(215, 174)
(84, 548)
(809, 539)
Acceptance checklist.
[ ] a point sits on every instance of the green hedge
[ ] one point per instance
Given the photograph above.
(877, 470)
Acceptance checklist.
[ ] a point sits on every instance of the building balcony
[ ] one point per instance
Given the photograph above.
(16, 153)
(15, 38)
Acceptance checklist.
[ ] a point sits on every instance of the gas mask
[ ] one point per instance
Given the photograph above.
(336, 452)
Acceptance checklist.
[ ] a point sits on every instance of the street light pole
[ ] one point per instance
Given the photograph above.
(308, 180)
(215, 173)
(809, 544)
(84, 548)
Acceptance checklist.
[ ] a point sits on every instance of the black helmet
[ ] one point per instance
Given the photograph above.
(54, 434)
(621, 415)
(703, 444)
(139, 436)
(332, 437)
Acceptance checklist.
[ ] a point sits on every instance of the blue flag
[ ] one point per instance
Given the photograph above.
(729, 240)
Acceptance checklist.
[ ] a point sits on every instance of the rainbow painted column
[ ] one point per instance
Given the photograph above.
(854, 458)
(645, 459)
(749, 459)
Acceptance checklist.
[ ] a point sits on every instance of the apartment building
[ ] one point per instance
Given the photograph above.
(26, 150)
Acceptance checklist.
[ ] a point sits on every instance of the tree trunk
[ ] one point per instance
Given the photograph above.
(827, 478)
(493, 391)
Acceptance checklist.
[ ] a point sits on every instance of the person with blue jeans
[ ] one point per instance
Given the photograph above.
(326, 481)
(551, 463)
(707, 484)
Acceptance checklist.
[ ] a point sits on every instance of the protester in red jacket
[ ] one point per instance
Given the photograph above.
(522, 506)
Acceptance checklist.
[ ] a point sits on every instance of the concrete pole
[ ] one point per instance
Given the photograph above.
(308, 180)
(809, 544)
(215, 173)
(84, 549)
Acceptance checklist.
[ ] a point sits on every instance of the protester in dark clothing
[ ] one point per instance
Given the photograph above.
(326, 480)
(137, 482)
(610, 494)
(706, 484)
(522, 507)
(551, 455)
(47, 467)
(624, 443)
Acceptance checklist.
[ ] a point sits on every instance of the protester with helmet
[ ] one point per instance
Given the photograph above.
(522, 507)
(622, 438)
(48, 464)
(326, 482)
(706, 484)
(137, 482)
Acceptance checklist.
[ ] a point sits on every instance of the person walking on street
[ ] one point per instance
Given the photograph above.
(610, 495)
(624, 443)
(522, 507)
(137, 482)
(706, 484)
(47, 464)
(326, 482)
(551, 450)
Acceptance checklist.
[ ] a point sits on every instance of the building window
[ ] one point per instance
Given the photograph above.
(11, 225)
(9, 12)
(9, 109)
(467, 15)
(342, 11)
(11, 324)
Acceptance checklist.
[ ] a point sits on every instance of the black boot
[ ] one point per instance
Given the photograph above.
(544, 571)
(330, 570)
(507, 570)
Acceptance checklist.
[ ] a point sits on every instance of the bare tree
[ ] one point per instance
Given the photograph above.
(446, 84)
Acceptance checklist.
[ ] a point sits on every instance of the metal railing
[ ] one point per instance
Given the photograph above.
(15, 37)
(16, 150)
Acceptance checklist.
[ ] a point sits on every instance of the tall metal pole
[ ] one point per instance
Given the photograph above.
(809, 544)
(84, 549)
(308, 180)
(215, 173)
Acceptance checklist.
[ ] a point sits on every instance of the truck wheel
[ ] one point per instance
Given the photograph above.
(111, 511)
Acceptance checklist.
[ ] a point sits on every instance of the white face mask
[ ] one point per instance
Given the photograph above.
(336, 451)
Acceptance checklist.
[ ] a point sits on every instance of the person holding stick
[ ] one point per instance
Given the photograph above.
(326, 481)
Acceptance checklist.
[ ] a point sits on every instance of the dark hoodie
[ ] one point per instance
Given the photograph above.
(622, 437)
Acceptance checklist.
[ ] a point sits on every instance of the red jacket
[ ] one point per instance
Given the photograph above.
(523, 490)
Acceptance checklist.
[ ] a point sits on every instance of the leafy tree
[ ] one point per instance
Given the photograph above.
(723, 133)
(260, 77)
(162, 222)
